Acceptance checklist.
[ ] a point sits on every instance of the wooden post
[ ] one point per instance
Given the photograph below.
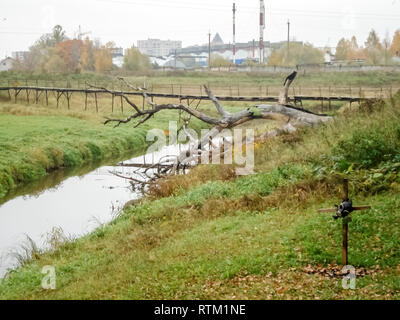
(351, 100)
(68, 97)
(122, 105)
(86, 100)
(58, 98)
(345, 226)
(330, 102)
(345, 221)
(322, 99)
(27, 95)
(345, 232)
(112, 102)
(47, 98)
(97, 106)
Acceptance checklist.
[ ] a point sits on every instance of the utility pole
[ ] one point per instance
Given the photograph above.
(80, 34)
(288, 41)
(209, 50)
(262, 27)
(234, 34)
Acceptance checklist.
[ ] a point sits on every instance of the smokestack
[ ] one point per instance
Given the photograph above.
(262, 27)
(234, 33)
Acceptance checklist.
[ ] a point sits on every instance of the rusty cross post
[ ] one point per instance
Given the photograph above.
(343, 211)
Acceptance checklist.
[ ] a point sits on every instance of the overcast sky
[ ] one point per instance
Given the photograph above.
(322, 23)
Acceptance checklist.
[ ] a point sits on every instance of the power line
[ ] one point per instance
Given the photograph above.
(215, 7)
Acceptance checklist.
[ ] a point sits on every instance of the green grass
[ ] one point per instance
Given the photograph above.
(248, 237)
(158, 250)
(340, 79)
(275, 79)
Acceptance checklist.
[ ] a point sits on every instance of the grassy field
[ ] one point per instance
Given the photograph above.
(304, 79)
(212, 235)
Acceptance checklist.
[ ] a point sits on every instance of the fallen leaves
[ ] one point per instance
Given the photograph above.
(335, 271)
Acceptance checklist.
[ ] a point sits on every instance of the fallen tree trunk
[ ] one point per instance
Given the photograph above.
(296, 117)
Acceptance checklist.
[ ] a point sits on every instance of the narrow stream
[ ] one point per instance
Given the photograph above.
(75, 203)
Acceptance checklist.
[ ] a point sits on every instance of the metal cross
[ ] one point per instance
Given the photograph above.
(343, 211)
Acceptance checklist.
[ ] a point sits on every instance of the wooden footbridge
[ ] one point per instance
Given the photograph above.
(32, 94)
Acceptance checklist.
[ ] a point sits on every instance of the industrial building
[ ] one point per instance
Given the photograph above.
(248, 51)
(158, 48)
(21, 56)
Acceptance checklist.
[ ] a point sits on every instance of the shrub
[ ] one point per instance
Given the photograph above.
(367, 148)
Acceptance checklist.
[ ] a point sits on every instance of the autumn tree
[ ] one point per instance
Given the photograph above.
(342, 50)
(58, 34)
(395, 47)
(70, 52)
(135, 61)
(373, 49)
(56, 64)
(103, 58)
(217, 61)
(86, 61)
(387, 54)
(42, 51)
(348, 50)
(299, 54)
(355, 52)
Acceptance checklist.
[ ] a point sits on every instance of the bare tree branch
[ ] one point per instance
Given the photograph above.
(142, 90)
(219, 107)
(296, 117)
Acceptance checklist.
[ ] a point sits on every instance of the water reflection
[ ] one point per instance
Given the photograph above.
(74, 200)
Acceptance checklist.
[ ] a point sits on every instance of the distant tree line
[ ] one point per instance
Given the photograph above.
(54, 52)
(374, 52)
(296, 54)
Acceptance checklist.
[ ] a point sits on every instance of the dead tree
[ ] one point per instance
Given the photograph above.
(296, 117)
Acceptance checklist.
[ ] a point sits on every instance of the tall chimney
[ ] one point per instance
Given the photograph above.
(262, 27)
(234, 33)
